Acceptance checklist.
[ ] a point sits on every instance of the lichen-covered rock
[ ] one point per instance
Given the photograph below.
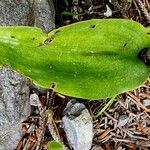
(14, 106)
(39, 13)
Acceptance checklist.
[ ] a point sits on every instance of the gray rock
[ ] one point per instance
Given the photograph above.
(146, 102)
(123, 120)
(9, 136)
(14, 106)
(78, 127)
(73, 109)
(39, 13)
(97, 147)
(34, 100)
(44, 14)
(108, 12)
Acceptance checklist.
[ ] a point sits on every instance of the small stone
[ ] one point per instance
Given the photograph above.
(122, 120)
(97, 147)
(78, 127)
(146, 102)
(34, 100)
(108, 13)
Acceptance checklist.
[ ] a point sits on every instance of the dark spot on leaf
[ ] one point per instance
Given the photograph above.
(57, 31)
(125, 45)
(92, 26)
(53, 85)
(48, 40)
(148, 33)
(34, 39)
(50, 66)
(41, 44)
(12, 36)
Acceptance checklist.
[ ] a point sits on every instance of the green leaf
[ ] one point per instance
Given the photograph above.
(53, 145)
(92, 59)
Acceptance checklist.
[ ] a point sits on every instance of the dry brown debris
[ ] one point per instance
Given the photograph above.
(135, 133)
(139, 10)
